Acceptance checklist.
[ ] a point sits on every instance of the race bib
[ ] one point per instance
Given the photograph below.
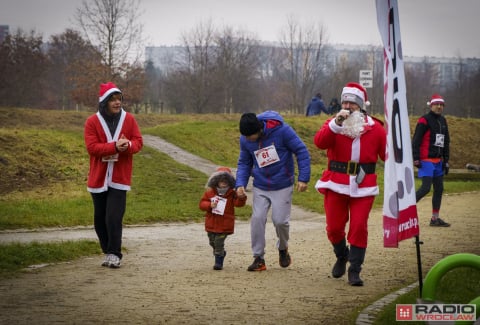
(440, 140)
(266, 156)
(221, 203)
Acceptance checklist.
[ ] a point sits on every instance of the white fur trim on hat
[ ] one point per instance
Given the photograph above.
(354, 91)
(354, 95)
(436, 98)
(108, 93)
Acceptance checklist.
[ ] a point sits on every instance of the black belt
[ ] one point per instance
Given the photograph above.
(351, 167)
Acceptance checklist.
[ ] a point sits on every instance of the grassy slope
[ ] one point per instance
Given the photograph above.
(43, 159)
(43, 167)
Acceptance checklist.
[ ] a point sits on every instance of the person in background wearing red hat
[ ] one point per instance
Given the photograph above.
(112, 136)
(219, 201)
(354, 141)
(431, 152)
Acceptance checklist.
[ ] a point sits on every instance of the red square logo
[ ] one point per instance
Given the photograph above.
(404, 312)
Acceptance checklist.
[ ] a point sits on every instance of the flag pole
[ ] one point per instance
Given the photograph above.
(400, 220)
(419, 265)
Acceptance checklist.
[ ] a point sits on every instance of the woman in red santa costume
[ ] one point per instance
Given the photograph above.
(112, 136)
(354, 141)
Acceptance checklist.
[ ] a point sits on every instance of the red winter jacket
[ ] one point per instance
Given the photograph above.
(215, 222)
(100, 144)
(218, 223)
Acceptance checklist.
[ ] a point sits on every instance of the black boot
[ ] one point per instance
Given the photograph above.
(219, 261)
(356, 258)
(341, 252)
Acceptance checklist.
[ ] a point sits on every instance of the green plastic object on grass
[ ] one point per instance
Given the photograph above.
(443, 266)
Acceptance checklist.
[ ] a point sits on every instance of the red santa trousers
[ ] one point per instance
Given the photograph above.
(341, 208)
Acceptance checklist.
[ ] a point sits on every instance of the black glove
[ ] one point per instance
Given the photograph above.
(417, 163)
(446, 167)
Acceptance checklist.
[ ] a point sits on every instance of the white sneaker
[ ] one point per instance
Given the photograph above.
(106, 260)
(114, 261)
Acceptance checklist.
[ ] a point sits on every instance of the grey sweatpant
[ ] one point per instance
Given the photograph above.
(281, 203)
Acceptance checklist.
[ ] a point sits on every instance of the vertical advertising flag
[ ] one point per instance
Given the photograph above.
(400, 220)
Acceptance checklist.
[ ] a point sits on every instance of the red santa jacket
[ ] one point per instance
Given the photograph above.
(365, 149)
(101, 145)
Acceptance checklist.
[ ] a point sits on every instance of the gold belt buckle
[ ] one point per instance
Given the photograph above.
(354, 165)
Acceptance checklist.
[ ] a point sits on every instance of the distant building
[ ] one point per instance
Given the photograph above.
(163, 57)
(446, 70)
(3, 32)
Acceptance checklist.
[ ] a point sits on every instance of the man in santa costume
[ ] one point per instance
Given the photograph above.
(354, 141)
(112, 137)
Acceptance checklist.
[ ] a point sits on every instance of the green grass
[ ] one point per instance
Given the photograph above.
(166, 191)
(16, 257)
(43, 179)
(217, 141)
(44, 166)
(162, 191)
(459, 285)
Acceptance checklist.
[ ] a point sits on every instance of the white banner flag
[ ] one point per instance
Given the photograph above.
(400, 220)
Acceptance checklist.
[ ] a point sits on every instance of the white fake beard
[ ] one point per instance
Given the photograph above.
(353, 126)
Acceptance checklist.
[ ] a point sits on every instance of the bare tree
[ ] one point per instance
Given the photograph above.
(113, 26)
(471, 96)
(71, 58)
(176, 91)
(22, 70)
(197, 67)
(86, 76)
(303, 50)
(237, 64)
(420, 80)
(458, 91)
(272, 78)
(153, 87)
(133, 85)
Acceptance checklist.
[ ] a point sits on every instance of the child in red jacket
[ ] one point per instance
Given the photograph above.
(219, 201)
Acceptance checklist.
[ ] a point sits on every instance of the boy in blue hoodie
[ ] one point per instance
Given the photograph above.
(267, 147)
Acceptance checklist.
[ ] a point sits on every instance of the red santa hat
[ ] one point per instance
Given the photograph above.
(355, 93)
(436, 98)
(106, 90)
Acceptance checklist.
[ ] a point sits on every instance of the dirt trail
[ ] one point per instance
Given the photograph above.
(167, 275)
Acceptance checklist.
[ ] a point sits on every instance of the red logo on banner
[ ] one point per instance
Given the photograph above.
(404, 312)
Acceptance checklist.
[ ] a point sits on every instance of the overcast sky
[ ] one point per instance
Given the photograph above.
(428, 27)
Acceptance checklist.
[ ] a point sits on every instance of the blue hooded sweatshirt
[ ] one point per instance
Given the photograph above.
(280, 174)
(316, 106)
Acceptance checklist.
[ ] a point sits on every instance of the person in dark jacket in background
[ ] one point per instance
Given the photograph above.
(219, 201)
(431, 152)
(267, 147)
(316, 106)
(334, 107)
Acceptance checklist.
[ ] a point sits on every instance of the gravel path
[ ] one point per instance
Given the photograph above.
(167, 275)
